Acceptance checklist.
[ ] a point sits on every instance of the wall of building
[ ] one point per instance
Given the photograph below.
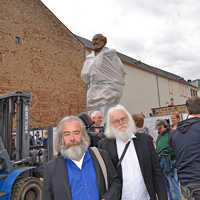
(40, 55)
(145, 90)
(172, 89)
(140, 92)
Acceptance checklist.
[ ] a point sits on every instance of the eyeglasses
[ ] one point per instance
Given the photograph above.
(122, 119)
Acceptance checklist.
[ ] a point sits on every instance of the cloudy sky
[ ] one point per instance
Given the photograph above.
(162, 33)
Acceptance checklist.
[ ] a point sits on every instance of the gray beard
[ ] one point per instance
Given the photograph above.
(123, 135)
(75, 152)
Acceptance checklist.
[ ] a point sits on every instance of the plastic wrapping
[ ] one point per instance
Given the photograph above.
(104, 75)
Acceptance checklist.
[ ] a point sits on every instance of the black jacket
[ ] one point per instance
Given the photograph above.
(148, 160)
(56, 185)
(185, 141)
(94, 137)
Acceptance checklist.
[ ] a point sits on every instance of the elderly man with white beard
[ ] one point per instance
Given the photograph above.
(134, 157)
(76, 173)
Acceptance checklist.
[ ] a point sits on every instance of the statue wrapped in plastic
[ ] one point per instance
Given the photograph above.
(104, 74)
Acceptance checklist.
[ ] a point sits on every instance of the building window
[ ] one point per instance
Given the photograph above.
(17, 39)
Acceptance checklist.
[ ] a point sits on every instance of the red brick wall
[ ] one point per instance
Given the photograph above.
(46, 63)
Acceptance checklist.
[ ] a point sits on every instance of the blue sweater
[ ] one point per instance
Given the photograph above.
(83, 182)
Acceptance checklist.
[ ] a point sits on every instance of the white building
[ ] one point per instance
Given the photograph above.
(148, 87)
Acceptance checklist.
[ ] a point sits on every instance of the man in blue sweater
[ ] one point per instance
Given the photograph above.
(77, 172)
(185, 142)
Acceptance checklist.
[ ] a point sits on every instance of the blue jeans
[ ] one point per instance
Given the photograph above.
(171, 179)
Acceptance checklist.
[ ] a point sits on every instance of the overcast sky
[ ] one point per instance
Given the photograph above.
(162, 33)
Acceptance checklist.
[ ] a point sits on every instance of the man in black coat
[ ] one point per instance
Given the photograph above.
(185, 141)
(76, 173)
(139, 169)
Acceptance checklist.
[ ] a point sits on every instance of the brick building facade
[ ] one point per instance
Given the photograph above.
(40, 55)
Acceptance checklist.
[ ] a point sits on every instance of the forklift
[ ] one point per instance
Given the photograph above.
(21, 164)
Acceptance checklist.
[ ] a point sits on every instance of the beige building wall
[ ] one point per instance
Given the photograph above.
(140, 92)
(145, 90)
(172, 89)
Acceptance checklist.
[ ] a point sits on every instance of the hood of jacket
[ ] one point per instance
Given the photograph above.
(184, 126)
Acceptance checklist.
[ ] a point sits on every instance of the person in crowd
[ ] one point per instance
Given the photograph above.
(139, 122)
(175, 118)
(133, 156)
(38, 139)
(186, 144)
(96, 131)
(97, 118)
(90, 128)
(166, 161)
(104, 74)
(77, 173)
(45, 139)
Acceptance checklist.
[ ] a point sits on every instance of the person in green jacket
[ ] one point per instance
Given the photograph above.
(167, 165)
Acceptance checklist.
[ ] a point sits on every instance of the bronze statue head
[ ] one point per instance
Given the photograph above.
(98, 42)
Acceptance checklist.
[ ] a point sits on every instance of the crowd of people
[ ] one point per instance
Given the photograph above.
(36, 139)
(123, 162)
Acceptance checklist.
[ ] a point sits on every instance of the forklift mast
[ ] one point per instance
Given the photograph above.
(14, 115)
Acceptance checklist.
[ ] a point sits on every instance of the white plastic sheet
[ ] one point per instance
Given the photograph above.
(104, 75)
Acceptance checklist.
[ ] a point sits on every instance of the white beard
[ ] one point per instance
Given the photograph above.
(123, 135)
(73, 153)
